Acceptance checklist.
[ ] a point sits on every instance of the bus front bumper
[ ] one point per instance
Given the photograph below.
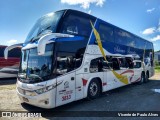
(45, 100)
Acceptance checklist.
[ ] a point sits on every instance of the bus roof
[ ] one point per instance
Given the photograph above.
(72, 10)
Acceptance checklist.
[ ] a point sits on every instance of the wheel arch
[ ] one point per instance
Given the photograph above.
(87, 85)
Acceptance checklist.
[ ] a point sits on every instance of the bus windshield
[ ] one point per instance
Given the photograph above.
(45, 24)
(35, 68)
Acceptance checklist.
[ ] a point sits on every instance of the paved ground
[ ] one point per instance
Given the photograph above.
(156, 77)
(145, 97)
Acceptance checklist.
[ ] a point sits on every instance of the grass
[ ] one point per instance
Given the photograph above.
(157, 69)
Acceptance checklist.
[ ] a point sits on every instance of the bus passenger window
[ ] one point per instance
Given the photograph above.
(106, 32)
(96, 65)
(123, 63)
(100, 66)
(115, 64)
(137, 65)
(130, 63)
(65, 64)
(69, 56)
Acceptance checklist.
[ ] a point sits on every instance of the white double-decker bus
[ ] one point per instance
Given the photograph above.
(70, 55)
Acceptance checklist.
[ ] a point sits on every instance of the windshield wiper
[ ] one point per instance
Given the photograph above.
(38, 35)
(35, 76)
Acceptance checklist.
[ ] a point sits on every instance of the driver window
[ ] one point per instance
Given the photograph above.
(65, 64)
(69, 56)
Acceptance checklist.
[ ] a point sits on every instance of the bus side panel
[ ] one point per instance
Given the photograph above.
(79, 86)
(108, 78)
(65, 89)
(112, 81)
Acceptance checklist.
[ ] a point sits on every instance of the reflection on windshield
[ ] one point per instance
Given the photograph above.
(44, 25)
(38, 68)
(24, 63)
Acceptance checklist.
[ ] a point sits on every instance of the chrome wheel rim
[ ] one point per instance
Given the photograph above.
(93, 89)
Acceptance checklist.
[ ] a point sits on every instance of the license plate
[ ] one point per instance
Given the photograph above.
(25, 99)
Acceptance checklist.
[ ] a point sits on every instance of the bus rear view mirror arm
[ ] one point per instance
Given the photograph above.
(7, 49)
(49, 38)
(42, 44)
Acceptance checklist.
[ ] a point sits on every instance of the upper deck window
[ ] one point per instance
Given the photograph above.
(124, 38)
(140, 43)
(77, 23)
(106, 33)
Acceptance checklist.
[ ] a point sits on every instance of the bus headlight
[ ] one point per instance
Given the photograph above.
(26, 92)
(30, 93)
(46, 89)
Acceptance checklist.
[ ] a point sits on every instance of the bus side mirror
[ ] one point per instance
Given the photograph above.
(49, 38)
(7, 49)
(42, 43)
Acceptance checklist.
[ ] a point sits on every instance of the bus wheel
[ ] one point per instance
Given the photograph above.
(146, 78)
(93, 89)
(142, 79)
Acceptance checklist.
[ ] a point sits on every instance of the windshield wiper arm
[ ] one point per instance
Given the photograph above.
(35, 76)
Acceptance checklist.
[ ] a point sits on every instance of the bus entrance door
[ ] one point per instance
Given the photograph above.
(65, 88)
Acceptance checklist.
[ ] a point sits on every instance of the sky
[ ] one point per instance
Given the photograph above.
(140, 17)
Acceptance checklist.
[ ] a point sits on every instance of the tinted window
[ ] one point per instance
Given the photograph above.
(77, 24)
(124, 38)
(123, 63)
(2, 51)
(116, 64)
(77, 47)
(70, 55)
(130, 40)
(100, 65)
(130, 63)
(106, 33)
(149, 45)
(137, 64)
(16, 52)
(96, 65)
(45, 24)
(120, 37)
(140, 43)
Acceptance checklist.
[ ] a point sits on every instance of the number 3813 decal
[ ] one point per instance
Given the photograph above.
(66, 97)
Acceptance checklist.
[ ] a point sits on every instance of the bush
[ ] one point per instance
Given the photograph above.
(156, 63)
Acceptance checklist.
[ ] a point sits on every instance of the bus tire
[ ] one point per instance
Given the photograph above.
(146, 77)
(142, 78)
(93, 89)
